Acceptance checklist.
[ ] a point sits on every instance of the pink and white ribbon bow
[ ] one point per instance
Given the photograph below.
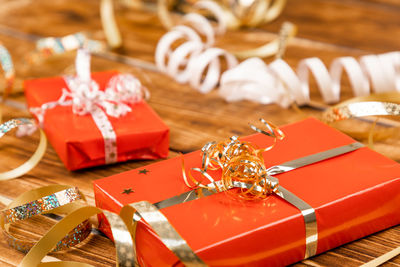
(85, 97)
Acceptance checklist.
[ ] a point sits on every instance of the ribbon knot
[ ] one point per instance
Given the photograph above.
(121, 91)
(242, 165)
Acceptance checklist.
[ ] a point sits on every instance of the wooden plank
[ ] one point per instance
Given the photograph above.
(193, 118)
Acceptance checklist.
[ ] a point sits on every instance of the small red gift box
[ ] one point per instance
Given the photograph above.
(140, 134)
(353, 195)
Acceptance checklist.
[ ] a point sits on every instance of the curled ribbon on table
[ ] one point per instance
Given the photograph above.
(235, 14)
(85, 97)
(254, 13)
(73, 229)
(25, 126)
(55, 199)
(278, 83)
(50, 46)
(376, 105)
(197, 62)
(109, 24)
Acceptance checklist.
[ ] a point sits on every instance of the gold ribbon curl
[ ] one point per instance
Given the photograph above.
(236, 14)
(287, 32)
(260, 11)
(110, 26)
(34, 159)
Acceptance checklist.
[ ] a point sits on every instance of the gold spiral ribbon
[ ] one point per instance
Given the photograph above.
(110, 26)
(34, 159)
(236, 13)
(256, 12)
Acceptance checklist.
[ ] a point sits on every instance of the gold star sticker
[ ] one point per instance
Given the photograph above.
(144, 171)
(128, 191)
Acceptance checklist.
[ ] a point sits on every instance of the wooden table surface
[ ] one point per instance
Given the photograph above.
(327, 29)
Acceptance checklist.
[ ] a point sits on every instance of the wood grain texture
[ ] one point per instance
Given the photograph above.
(327, 29)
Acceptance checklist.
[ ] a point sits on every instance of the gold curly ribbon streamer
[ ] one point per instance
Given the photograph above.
(275, 47)
(110, 26)
(384, 104)
(236, 13)
(257, 12)
(34, 159)
(262, 11)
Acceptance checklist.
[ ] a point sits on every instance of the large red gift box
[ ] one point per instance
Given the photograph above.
(140, 134)
(354, 195)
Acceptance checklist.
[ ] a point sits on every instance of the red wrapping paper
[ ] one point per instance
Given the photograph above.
(354, 195)
(141, 134)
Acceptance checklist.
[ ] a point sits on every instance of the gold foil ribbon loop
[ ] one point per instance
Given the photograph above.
(110, 27)
(34, 159)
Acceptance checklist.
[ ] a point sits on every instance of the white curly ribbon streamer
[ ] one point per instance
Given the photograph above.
(278, 83)
(194, 61)
(85, 97)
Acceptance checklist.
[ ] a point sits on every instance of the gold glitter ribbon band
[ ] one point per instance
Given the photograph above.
(54, 199)
(383, 104)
